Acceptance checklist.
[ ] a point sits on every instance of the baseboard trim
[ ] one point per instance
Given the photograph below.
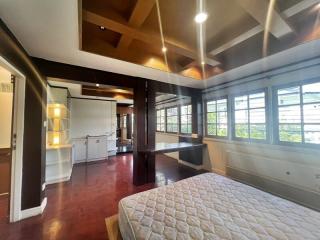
(300, 196)
(197, 167)
(30, 212)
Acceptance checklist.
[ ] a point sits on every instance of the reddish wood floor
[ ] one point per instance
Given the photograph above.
(77, 209)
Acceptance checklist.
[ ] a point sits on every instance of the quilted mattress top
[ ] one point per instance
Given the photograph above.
(210, 206)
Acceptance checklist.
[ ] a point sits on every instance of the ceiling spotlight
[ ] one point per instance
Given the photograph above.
(164, 49)
(102, 28)
(97, 85)
(203, 62)
(318, 6)
(201, 17)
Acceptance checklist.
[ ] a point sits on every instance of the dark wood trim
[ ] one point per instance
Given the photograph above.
(97, 93)
(34, 142)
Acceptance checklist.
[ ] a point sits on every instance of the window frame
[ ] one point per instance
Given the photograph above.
(179, 122)
(178, 118)
(206, 120)
(275, 106)
(165, 118)
(267, 120)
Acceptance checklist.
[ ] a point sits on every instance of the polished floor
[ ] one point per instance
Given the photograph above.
(77, 209)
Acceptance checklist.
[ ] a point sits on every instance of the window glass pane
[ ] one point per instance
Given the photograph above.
(212, 129)
(241, 102)
(290, 132)
(289, 96)
(311, 93)
(184, 119)
(211, 106)
(312, 133)
(290, 114)
(258, 131)
(311, 113)
(222, 117)
(242, 130)
(257, 116)
(257, 100)
(222, 105)
(241, 116)
(189, 109)
(212, 117)
(184, 110)
(222, 130)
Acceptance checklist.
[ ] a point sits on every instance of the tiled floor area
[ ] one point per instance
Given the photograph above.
(77, 209)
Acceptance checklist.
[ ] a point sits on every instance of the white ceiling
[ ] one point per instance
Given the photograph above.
(49, 29)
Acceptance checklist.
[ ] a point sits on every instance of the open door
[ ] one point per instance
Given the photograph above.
(7, 139)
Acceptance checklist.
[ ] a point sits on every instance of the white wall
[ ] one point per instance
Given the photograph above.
(295, 166)
(90, 117)
(6, 101)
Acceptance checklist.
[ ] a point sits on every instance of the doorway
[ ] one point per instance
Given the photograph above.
(6, 137)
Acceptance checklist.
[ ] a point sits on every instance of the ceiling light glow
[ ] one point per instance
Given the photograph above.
(201, 17)
(164, 49)
(203, 63)
(97, 85)
(102, 28)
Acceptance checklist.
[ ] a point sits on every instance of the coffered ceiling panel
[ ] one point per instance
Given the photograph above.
(164, 35)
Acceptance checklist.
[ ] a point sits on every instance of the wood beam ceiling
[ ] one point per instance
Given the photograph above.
(135, 33)
(258, 9)
(259, 28)
(139, 14)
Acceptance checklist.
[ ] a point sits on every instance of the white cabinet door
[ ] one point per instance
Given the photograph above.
(80, 150)
(97, 148)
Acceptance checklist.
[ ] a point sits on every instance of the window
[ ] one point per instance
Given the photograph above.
(161, 120)
(186, 119)
(172, 119)
(299, 114)
(250, 117)
(217, 118)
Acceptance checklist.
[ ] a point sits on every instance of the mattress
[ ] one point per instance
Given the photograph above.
(210, 206)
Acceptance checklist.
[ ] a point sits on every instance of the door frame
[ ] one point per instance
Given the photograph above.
(18, 129)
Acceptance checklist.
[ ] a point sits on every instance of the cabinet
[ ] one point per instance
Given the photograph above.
(59, 150)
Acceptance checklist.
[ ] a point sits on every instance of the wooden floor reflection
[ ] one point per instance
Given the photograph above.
(77, 209)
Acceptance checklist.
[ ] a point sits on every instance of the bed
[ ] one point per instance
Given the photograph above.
(210, 206)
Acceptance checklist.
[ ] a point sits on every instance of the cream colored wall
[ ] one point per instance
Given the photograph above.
(6, 101)
(295, 166)
(298, 167)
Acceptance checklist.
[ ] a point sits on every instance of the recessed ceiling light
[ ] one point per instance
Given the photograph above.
(318, 6)
(97, 85)
(102, 28)
(201, 17)
(164, 49)
(203, 63)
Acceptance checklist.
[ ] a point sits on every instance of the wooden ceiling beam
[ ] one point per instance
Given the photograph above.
(141, 36)
(258, 29)
(258, 9)
(139, 14)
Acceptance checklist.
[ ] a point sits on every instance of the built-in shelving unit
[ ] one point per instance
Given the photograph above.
(59, 149)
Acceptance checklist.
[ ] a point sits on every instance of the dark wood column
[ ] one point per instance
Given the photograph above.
(197, 115)
(144, 133)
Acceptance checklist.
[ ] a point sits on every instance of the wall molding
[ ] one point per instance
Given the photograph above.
(30, 212)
